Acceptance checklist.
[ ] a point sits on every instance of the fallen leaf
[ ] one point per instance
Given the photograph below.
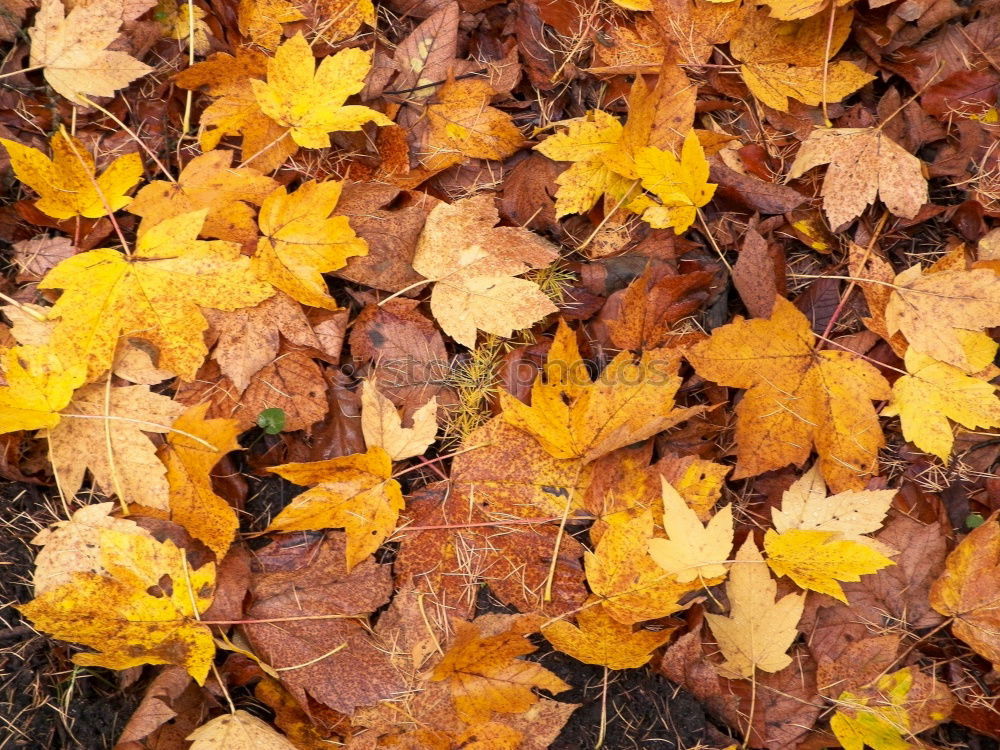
(72, 49)
(144, 610)
(630, 585)
(967, 590)
(941, 314)
(598, 638)
(36, 257)
(759, 630)
(194, 446)
(775, 83)
(463, 124)
(237, 731)
(301, 241)
(73, 546)
(38, 387)
(355, 493)
(864, 163)
(69, 183)
(799, 399)
(816, 560)
(681, 184)
(473, 265)
(383, 427)
(692, 551)
(572, 416)
(934, 392)
(208, 181)
(485, 675)
(107, 295)
(102, 431)
(261, 20)
(309, 100)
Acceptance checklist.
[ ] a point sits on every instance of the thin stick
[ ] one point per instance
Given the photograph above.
(22, 70)
(186, 123)
(109, 446)
(23, 308)
(405, 289)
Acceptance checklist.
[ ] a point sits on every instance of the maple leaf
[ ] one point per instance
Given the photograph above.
(759, 630)
(681, 184)
(941, 314)
(630, 585)
(261, 20)
(72, 49)
(237, 731)
(484, 673)
(382, 425)
(309, 101)
(806, 507)
(934, 392)
(355, 493)
(864, 163)
(574, 417)
(816, 560)
(102, 431)
(796, 397)
(463, 124)
(235, 111)
(967, 590)
(142, 611)
(598, 638)
(38, 387)
(775, 83)
(74, 546)
(107, 295)
(208, 181)
(194, 446)
(68, 182)
(474, 264)
(693, 551)
(302, 241)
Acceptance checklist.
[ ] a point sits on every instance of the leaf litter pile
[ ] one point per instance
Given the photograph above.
(497, 375)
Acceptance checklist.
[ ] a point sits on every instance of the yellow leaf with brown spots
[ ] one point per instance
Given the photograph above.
(194, 446)
(355, 493)
(38, 386)
(154, 294)
(796, 397)
(261, 20)
(69, 183)
(143, 610)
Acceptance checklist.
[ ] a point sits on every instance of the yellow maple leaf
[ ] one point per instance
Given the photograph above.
(39, 386)
(934, 392)
(775, 83)
(942, 314)
(72, 49)
(208, 181)
(309, 100)
(105, 432)
(759, 630)
(301, 241)
(598, 638)
(238, 731)
(572, 416)
(693, 551)
(261, 20)
(474, 264)
(382, 425)
(142, 611)
(681, 184)
(632, 587)
(462, 124)
(356, 493)
(816, 560)
(484, 673)
(796, 397)
(154, 294)
(68, 182)
(194, 446)
(235, 111)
